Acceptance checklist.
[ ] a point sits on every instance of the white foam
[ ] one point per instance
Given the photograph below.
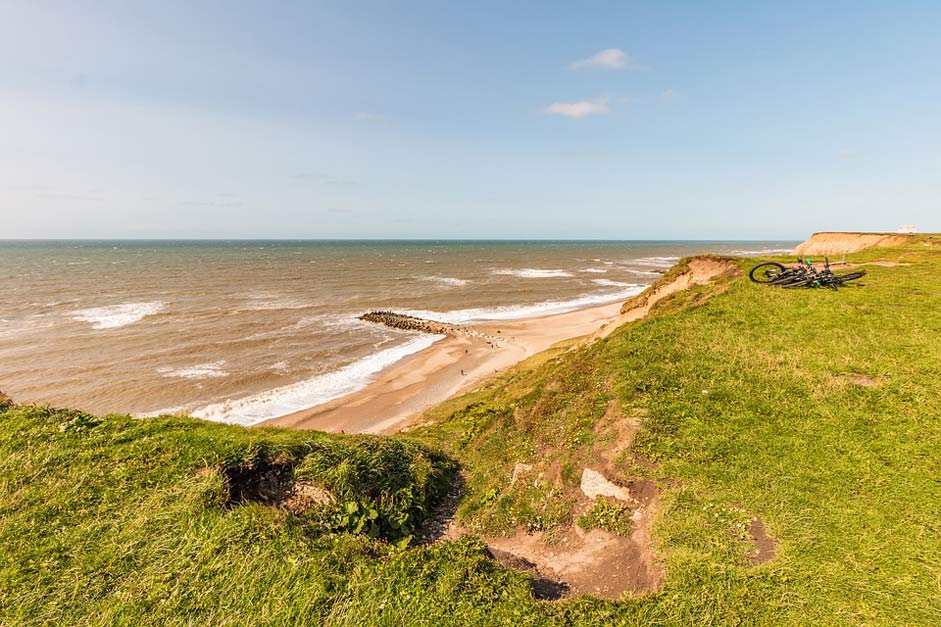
(610, 283)
(114, 316)
(656, 261)
(445, 280)
(533, 273)
(202, 371)
(766, 251)
(314, 391)
(511, 312)
(595, 270)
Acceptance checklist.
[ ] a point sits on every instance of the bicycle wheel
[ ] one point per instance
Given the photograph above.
(766, 272)
(852, 276)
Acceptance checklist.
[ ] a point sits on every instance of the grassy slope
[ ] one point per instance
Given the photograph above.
(747, 410)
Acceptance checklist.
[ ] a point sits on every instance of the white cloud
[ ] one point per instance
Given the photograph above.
(364, 115)
(610, 59)
(668, 93)
(580, 109)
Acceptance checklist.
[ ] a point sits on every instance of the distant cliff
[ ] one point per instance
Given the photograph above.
(833, 243)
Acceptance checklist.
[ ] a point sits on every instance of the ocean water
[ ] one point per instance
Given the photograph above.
(244, 331)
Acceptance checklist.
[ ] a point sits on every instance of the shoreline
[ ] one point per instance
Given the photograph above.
(447, 368)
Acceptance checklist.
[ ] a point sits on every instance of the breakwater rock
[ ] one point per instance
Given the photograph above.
(423, 325)
(410, 323)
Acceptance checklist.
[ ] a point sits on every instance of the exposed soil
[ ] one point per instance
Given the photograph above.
(842, 243)
(271, 482)
(5, 402)
(576, 561)
(861, 379)
(700, 271)
(595, 562)
(764, 544)
(305, 496)
(440, 525)
(264, 481)
(544, 588)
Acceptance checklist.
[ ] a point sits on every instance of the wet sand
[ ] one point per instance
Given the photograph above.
(447, 368)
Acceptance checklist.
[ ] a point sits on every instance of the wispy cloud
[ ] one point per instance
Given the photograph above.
(667, 93)
(580, 109)
(365, 116)
(610, 59)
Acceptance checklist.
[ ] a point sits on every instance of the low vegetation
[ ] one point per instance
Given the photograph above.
(812, 412)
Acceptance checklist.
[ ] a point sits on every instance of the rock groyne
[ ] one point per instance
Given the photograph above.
(423, 325)
(409, 323)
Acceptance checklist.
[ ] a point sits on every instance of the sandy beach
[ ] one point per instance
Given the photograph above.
(449, 367)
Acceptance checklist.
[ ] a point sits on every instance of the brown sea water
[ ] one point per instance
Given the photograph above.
(243, 331)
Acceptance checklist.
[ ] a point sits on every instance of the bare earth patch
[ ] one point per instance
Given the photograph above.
(596, 562)
(271, 482)
(306, 496)
(701, 271)
(861, 379)
(575, 561)
(764, 544)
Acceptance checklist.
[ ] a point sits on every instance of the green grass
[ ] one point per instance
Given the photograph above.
(607, 514)
(748, 407)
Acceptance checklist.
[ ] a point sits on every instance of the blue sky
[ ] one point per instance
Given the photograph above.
(468, 120)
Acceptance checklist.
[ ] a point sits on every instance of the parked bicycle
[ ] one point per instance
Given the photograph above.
(803, 275)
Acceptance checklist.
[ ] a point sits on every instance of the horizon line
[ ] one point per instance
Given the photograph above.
(375, 239)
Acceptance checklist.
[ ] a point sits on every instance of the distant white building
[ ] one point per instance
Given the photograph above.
(906, 228)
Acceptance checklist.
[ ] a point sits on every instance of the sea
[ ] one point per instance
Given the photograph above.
(244, 331)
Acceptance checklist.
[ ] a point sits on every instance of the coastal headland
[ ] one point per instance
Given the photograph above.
(728, 446)
(470, 354)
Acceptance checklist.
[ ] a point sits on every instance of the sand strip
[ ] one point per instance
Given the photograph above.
(447, 368)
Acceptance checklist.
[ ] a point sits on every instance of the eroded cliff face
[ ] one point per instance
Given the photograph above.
(699, 270)
(842, 243)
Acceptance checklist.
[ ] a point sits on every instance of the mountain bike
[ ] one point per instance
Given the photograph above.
(804, 275)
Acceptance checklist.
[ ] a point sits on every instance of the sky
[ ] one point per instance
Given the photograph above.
(477, 120)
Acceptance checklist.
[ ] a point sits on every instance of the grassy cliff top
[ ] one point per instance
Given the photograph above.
(814, 412)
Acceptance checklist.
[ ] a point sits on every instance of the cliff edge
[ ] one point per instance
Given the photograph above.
(835, 243)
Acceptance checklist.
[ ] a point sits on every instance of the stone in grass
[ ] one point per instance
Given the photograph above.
(594, 485)
(6, 403)
(519, 470)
